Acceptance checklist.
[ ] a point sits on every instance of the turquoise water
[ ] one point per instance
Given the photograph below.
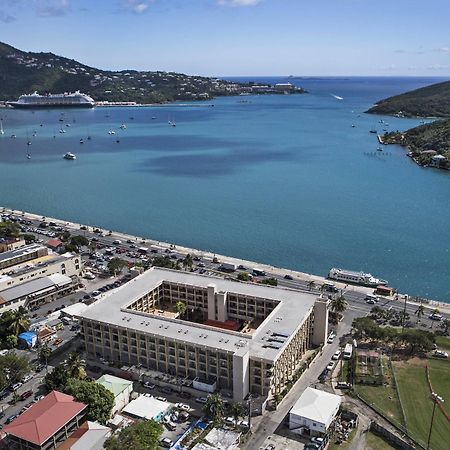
(284, 180)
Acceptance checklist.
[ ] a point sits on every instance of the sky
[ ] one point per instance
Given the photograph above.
(238, 37)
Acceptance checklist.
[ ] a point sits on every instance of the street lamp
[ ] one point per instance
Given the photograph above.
(436, 399)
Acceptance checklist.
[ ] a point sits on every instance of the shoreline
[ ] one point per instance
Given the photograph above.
(410, 299)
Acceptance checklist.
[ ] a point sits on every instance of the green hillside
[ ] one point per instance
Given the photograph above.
(26, 72)
(424, 141)
(430, 101)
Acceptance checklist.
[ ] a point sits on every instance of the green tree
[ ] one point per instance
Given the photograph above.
(445, 326)
(19, 321)
(76, 242)
(57, 379)
(180, 308)
(100, 400)
(13, 368)
(214, 408)
(9, 230)
(187, 261)
(420, 311)
(238, 411)
(11, 341)
(311, 285)
(270, 281)
(29, 238)
(243, 276)
(338, 305)
(44, 354)
(143, 435)
(116, 265)
(75, 366)
(163, 261)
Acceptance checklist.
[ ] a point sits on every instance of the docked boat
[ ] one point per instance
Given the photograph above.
(360, 278)
(66, 100)
(70, 156)
(1, 127)
(373, 131)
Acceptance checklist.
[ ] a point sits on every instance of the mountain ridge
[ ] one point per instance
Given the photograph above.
(25, 72)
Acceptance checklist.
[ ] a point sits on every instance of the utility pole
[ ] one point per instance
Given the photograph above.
(436, 399)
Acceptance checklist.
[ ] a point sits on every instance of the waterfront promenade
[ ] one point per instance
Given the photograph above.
(300, 280)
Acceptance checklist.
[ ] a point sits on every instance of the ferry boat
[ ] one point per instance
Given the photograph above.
(70, 156)
(66, 100)
(360, 278)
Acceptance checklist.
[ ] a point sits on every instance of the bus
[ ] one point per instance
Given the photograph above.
(258, 273)
(348, 350)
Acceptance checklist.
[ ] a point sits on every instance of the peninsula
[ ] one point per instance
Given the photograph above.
(26, 72)
(429, 101)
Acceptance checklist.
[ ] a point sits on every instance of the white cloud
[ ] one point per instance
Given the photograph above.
(51, 8)
(444, 49)
(136, 6)
(238, 2)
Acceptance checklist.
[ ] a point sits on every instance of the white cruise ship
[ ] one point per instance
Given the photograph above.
(66, 100)
(361, 278)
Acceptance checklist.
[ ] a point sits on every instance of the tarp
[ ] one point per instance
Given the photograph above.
(29, 337)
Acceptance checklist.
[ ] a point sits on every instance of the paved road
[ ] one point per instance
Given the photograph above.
(270, 422)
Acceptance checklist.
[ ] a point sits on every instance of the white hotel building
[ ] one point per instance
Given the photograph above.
(246, 337)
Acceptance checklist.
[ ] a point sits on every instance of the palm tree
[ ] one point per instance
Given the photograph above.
(311, 285)
(237, 411)
(19, 321)
(181, 308)
(338, 304)
(187, 261)
(75, 366)
(44, 353)
(214, 407)
(419, 312)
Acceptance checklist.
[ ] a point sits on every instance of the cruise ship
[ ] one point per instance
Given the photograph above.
(360, 278)
(66, 100)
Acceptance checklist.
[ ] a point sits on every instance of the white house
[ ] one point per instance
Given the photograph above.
(121, 389)
(314, 412)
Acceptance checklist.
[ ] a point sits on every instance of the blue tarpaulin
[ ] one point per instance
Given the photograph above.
(29, 337)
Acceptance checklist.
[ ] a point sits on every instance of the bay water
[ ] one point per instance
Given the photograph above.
(295, 181)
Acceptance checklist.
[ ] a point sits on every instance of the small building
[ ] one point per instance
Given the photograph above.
(90, 436)
(314, 412)
(46, 424)
(6, 245)
(45, 334)
(438, 161)
(121, 389)
(27, 339)
(222, 439)
(147, 407)
(55, 244)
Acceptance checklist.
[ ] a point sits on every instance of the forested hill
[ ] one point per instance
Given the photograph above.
(25, 72)
(429, 101)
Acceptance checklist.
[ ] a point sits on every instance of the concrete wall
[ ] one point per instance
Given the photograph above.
(320, 330)
(241, 371)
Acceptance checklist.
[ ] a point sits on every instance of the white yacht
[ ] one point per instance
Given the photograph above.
(361, 278)
(70, 156)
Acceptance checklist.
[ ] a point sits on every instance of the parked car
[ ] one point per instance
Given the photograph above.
(435, 316)
(330, 365)
(183, 406)
(166, 442)
(317, 440)
(440, 354)
(26, 394)
(27, 378)
(337, 355)
(11, 418)
(343, 385)
(201, 400)
(16, 386)
(166, 390)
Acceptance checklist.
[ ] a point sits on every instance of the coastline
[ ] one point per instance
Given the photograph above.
(400, 297)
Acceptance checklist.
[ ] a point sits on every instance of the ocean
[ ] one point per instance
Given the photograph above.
(295, 181)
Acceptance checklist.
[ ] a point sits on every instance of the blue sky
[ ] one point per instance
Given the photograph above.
(238, 37)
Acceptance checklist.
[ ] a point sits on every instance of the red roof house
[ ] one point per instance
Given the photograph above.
(46, 423)
(54, 244)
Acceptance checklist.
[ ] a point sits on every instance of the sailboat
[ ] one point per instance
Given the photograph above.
(1, 127)
(337, 97)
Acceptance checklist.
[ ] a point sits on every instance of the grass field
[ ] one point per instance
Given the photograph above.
(383, 397)
(443, 342)
(416, 399)
(374, 442)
